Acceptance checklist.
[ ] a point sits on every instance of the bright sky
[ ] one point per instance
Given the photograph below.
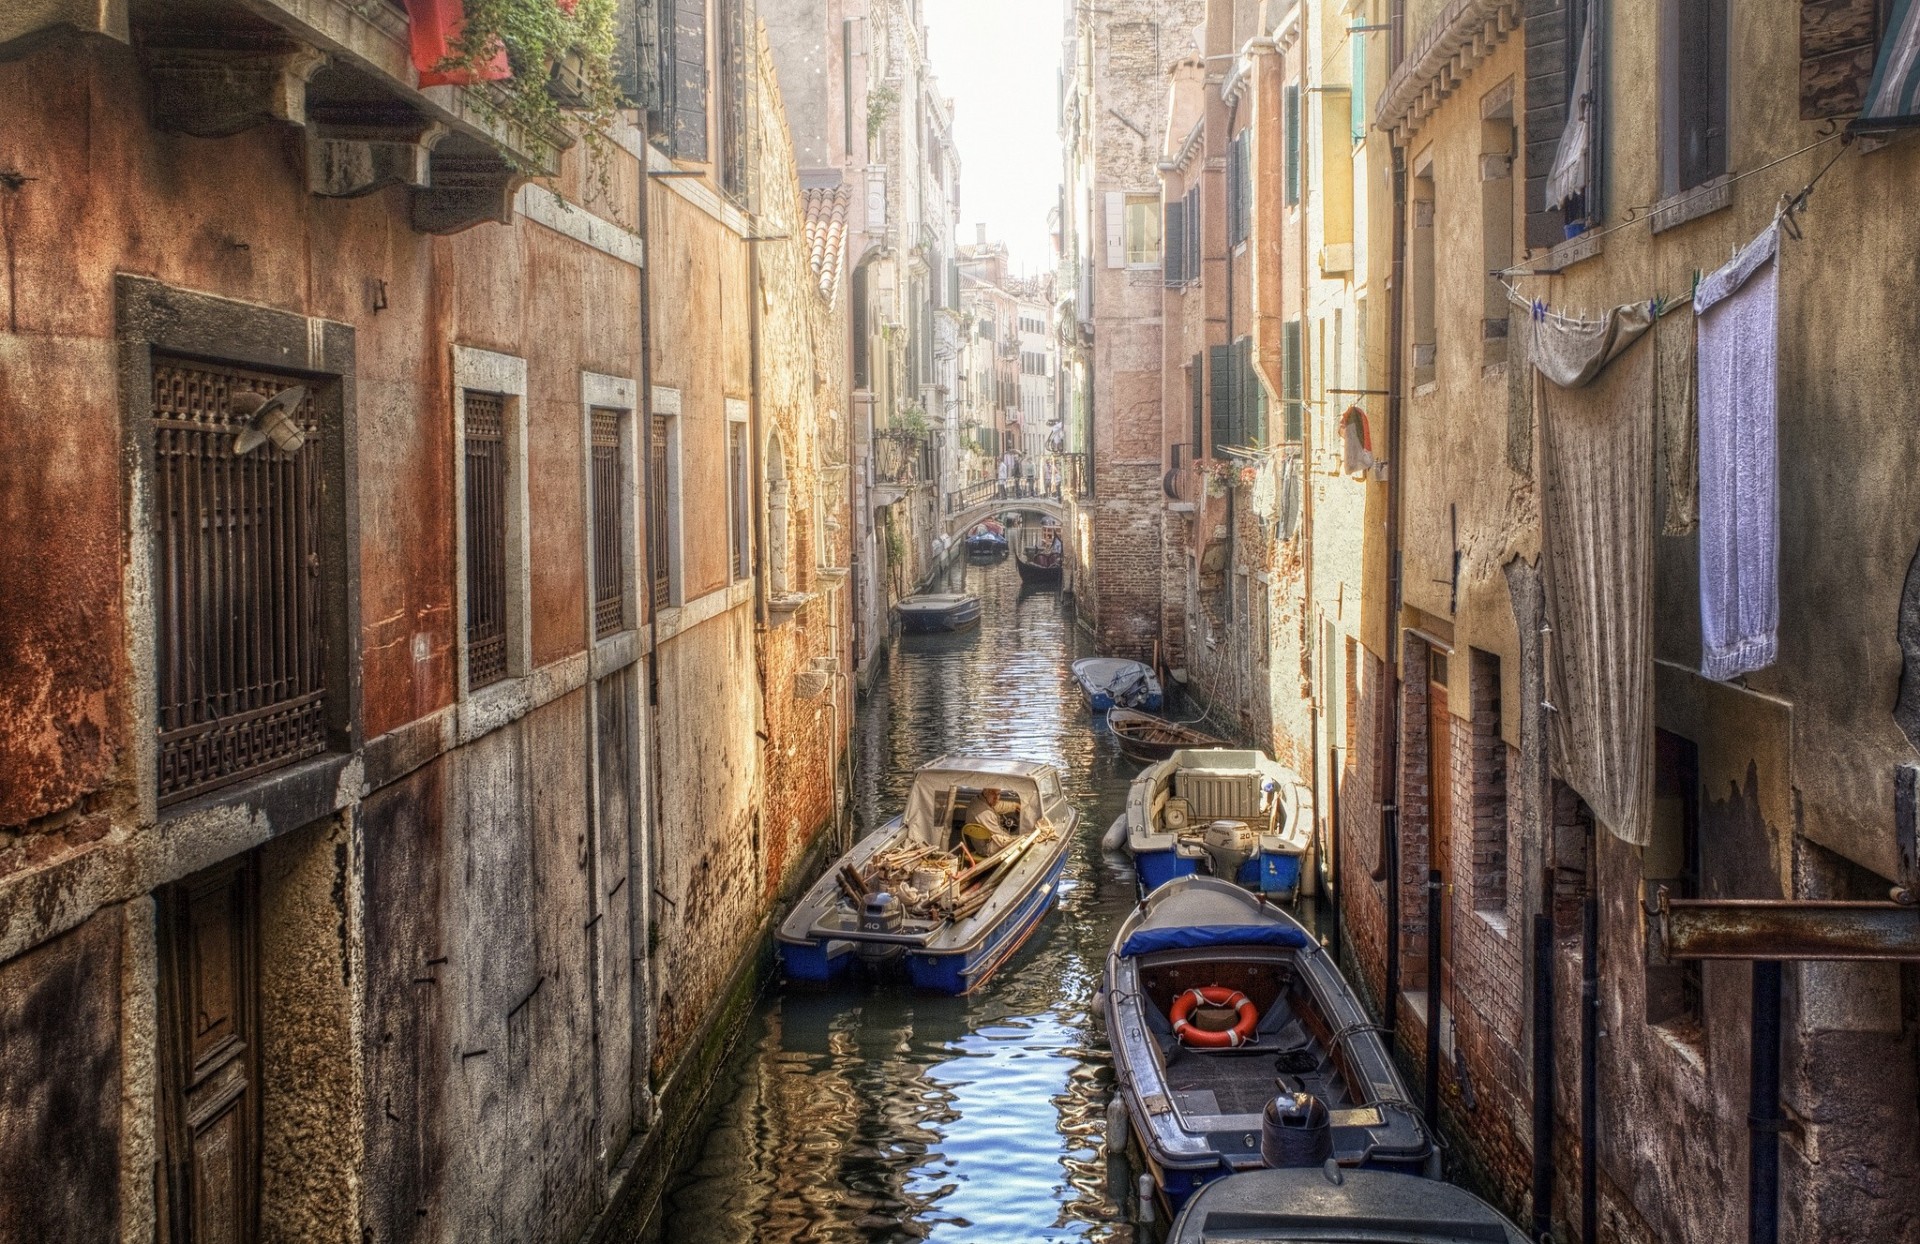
(999, 62)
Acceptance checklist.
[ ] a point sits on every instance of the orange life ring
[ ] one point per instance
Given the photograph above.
(1214, 995)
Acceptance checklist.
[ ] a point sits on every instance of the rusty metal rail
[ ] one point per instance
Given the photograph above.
(1782, 929)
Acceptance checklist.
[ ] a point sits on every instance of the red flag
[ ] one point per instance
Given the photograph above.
(434, 27)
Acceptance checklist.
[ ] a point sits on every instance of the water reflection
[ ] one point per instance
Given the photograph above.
(877, 1114)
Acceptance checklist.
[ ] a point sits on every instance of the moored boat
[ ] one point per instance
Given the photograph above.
(1039, 567)
(938, 611)
(1110, 682)
(984, 543)
(1343, 1207)
(1145, 737)
(948, 890)
(1224, 1014)
(1237, 814)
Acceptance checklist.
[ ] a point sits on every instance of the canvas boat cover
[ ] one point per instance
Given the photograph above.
(1020, 779)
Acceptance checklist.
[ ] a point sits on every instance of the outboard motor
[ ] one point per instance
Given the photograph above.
(1230, 844)
(882, 914)
(1295, 1130)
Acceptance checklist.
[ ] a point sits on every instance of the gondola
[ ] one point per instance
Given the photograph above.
(1146, 738)
(1114, 682)
(1297, 1203)
(1222, 1010)
(936, 612)
(1037, 567)
(935, 896)
(1239, 815)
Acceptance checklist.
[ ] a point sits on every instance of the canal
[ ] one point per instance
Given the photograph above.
(878, 1114)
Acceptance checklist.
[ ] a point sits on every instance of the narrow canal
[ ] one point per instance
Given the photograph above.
(878, 1114)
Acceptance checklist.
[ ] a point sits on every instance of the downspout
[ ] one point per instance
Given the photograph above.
(646, 890)
(1763, 1108)
(1589, 1048)
(755, 433)
(1389, 853)
(1543, 1172)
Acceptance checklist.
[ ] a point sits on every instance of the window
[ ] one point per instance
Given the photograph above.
(1223, 383)
(1420, 273)
(1693, 105)
(608, 484)
(1237, 189)
(486, 528)
(1143, 230)
(739, 508)
(1563, 119)
(1291, 103)
(1291, 384)
(1488, 760)
(1176, 242)
(1496, 217)
(779, 580)
(661, 535)
(1196, 391)
(1672, 858)
(680, 119)
(1357, 97)
(733, 80)
(238, 575)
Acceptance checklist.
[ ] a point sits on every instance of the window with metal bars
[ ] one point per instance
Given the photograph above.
(738, 467)
(240, 646)
(609, 540)
(659, 515)
(486, 520)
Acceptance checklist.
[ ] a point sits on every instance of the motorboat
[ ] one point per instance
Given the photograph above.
(1234, 814)
(1339, 1207)
(937, 611)
(1228, 1021)
(1144, 737)
(946, 891)
(984, 543)
(1113, 682)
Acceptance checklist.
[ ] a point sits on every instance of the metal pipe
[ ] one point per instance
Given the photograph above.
(1763, 1108)
(1589, 1070)
(1430, 1104)
(1390, 804)
(1542, 1076)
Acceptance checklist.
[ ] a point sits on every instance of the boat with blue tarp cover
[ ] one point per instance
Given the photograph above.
(1232, 813)
(1108, 682)
(1237, 1044)
(1313, 1205)
(948, 890)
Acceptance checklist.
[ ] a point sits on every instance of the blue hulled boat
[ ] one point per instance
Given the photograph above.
(1291, 1203)
(948, 890)
(1238, 815)
(1110, 682)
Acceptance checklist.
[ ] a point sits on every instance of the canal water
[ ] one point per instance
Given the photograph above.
(873, 1113)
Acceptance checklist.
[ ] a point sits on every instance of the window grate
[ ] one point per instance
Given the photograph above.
(240, 648)
(659, 569)
(609, 566)
(486, 518)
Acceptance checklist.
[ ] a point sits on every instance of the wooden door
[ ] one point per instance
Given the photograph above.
(1440, 809)
(210, 1087)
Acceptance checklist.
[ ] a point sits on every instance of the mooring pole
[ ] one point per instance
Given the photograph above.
(1542, 1076)
(1431, 1103)
(1763, 1108)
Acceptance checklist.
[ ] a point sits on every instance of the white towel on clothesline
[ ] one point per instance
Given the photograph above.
(1737, 313)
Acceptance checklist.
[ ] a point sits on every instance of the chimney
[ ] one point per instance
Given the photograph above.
(980, 233)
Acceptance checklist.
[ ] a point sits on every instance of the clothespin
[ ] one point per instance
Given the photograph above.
(1539, 311)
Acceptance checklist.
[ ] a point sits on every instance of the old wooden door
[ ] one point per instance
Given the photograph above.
(1440, 807)
(210, 1087)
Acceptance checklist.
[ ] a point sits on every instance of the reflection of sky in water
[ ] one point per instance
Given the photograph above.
(872, 1113)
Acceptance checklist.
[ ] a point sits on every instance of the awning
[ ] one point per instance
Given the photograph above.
(1893, 97)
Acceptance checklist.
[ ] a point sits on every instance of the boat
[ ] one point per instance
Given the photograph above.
(1144, 737)
(939, 893)
(984, 543)
(1239, 815)
(1112, 682)
(937, 611)
(1221, 1010)
(1039, 567)
(1339, 1207)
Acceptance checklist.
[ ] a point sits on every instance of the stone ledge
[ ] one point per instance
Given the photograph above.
(1677, 210)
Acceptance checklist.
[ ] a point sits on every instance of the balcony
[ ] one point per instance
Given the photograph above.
(341, 72)
(1185, 484)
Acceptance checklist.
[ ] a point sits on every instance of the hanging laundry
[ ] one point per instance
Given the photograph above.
(1357, 440)
(1596, 500)
(1737, 308)
(1678, 418)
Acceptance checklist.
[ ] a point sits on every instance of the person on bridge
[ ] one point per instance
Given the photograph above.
(1001, 489)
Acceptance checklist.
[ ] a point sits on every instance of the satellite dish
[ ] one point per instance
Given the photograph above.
(271, 419)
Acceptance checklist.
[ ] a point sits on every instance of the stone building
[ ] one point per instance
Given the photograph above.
(397, 767)
(870, 123)
(1601, 162)
(1113, 119)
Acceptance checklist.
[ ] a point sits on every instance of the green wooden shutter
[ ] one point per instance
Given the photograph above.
(1290, 382)
(1197, 391)
(1226, 397)
(1293, 144)
(689, 80)
(1358, 98)
(1173, 243)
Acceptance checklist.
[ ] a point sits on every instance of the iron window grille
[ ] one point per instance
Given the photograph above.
(737, 477)
(659, 568)
(240, 645)
(486, 519)
(609, 562)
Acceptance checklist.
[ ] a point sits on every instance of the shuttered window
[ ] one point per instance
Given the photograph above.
(237, 577)
(659, 515)
(683, 53)
(1224, 382)
(1197, 393)
(1176, 243)
(1292, 114)
(1237, 190)
(741, 512)
(1292, 390)
(1253, 395)
(1697, 108)
(486, 520)
(732, 81)
(609, 560)
(1357, 99)
(1838, 41)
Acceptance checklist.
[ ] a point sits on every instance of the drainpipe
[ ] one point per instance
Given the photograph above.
(642, 936)
(1389, 853)
(1542, 1076)
(1763, 1109)
(1589, 1052)
(1431, 1101)
(755, 433)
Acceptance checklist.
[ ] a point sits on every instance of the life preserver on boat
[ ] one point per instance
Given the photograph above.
(1214, 995)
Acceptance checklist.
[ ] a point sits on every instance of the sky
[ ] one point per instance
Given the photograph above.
(999, 62)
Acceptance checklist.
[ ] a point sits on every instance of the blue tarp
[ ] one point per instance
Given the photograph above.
(1204, 936)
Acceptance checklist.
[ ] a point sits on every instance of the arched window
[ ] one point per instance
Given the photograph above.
(779, 579)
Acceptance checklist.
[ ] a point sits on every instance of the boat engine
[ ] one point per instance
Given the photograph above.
(1230, 844)
(1295, 1130)
(882, 914)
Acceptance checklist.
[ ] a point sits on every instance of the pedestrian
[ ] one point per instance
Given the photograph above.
(1001, 490)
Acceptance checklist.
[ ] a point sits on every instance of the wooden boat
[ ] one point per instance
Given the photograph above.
(1239, 815)
(1038, 567)
(1218, 1004)
(939, 611)
(1144, 737)
(1112, 682)
(984, 544)
(931, 894)
(1292, 1203)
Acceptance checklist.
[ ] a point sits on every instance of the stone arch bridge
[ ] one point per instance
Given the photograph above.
(978, 502)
